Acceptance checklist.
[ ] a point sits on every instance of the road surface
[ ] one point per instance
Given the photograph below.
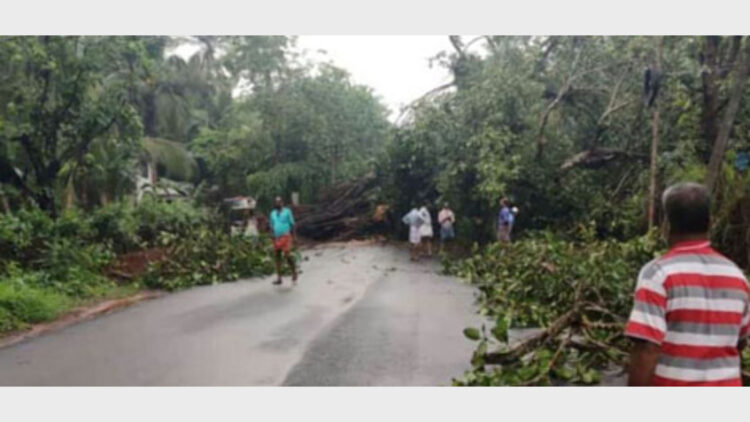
(361, 315)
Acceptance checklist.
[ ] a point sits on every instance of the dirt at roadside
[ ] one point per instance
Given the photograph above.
(131, 265)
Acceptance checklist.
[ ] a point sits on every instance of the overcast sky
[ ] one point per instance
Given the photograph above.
(396, 67)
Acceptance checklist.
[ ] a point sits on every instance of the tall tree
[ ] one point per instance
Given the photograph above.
(652, 83)
(55, 102)
(722, 137)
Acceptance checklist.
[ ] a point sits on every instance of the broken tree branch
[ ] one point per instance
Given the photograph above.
(597, 157)
(547, 110)
(555, 328)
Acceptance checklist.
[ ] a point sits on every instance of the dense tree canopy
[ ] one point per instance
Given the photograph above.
(73, 111)
(562, 125)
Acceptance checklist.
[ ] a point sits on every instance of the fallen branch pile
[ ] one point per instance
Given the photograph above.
(575, 295)
(343, 212)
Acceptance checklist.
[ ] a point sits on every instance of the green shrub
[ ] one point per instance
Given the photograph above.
(73, 223)
(154, 216)
(7, 321)
(116, 223)
(30, 305)
(22, 235)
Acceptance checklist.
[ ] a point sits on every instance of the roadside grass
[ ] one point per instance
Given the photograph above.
(50, 267)
(21, 306)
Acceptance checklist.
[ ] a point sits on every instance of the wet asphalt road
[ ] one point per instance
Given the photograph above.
(361, 315)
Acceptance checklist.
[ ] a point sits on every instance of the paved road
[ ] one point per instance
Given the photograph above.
(362, 315)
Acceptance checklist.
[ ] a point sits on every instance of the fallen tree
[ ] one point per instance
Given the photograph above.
(575, 295)
(343, 212)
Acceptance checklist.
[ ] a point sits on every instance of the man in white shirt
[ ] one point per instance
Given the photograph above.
(425, 230)
(414, 220)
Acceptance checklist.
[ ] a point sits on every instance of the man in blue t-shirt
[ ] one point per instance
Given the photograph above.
(504, 221)
(282, 228)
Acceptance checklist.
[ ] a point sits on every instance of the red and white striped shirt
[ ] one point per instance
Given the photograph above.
(693, 302)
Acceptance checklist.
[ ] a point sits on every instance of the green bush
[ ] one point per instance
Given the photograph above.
(73, 223)
(154, 216)
(7, 321)
(128, 227)
(22, 235)
(116, 223)
(49, 264)
(27, 305)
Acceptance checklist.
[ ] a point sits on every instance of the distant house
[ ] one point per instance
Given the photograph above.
(166, 169)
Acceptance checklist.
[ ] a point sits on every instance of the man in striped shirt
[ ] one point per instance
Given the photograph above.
(690, 319)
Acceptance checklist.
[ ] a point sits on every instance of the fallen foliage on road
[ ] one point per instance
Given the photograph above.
(208, 256)
(577, 294)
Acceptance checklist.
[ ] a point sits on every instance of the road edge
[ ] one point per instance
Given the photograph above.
(79, 315)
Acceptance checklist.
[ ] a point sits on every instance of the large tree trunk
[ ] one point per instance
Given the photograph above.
(149, 114)
(709, 80)
(722, 138)
(70, 194)
(4, 202)
(654, 168)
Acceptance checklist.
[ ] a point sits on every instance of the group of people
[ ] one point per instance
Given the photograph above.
(691, 313)
(421, 232)
(419, 220)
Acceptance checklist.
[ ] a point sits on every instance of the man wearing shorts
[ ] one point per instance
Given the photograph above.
(414, 220)
(446, 218)
(282, 227)
(504, 222)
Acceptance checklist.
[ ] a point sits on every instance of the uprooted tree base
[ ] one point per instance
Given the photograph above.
(342, 213)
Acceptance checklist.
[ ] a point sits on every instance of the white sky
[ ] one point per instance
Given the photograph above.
(396, 67)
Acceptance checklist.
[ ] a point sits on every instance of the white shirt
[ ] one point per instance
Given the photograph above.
(446, 218)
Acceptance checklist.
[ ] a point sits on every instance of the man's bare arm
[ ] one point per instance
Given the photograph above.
(643, 360)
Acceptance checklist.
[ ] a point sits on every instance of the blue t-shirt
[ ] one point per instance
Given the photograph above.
(505, 217)
(281, 221)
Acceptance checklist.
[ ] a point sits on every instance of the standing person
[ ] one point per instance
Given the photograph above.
(251, 229)
(690, 319)
(244, 221)
(414, 220)
(425, 230)
(504, 221)
(446, 219)
(380, 221)
(282, 228)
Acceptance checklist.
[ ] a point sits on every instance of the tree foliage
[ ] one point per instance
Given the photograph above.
(56, 100)
(561, 126)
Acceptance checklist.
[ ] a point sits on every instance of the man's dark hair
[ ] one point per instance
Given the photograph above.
(688, 208)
